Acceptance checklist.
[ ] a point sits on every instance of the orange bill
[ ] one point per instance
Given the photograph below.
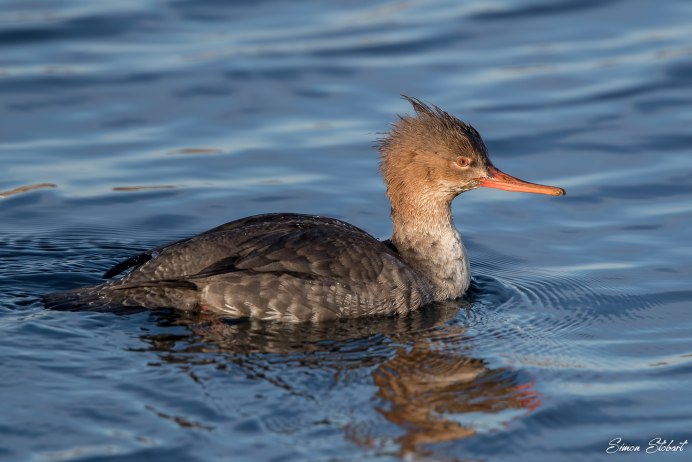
(500, 180)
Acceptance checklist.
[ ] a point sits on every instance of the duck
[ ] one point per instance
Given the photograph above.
(291, 267)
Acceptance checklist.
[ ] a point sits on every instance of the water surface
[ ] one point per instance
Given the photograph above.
(128, 124)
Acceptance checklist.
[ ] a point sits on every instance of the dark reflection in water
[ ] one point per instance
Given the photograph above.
(422, 365)
(427, 387)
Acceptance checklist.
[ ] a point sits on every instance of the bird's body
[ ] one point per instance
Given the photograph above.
(296, 268)
(274, 267)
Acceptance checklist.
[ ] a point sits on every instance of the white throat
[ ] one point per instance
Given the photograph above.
(425, 236)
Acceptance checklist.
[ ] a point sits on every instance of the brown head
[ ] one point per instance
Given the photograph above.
(435, 156)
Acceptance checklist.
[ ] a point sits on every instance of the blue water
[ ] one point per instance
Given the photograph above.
(146, 121)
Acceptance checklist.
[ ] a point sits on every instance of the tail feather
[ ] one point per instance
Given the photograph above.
(82, 299)
(125, 298)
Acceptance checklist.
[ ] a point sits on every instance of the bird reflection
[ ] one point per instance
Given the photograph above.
(428, 388)
(428, 383)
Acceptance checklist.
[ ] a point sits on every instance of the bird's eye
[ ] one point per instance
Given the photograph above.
(463, 162)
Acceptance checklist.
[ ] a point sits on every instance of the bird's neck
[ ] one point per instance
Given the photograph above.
(424, 235)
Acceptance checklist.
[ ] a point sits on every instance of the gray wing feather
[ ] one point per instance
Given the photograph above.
(286, 266)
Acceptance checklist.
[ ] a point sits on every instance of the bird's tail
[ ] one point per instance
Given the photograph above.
(81, 299)
(125, 298)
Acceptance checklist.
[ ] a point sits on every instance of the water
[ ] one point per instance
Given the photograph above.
(154, 120)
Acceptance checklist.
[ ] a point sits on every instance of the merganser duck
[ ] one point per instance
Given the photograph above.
(296, 268)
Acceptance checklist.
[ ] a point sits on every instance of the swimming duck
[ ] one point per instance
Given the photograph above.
(296, 268)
